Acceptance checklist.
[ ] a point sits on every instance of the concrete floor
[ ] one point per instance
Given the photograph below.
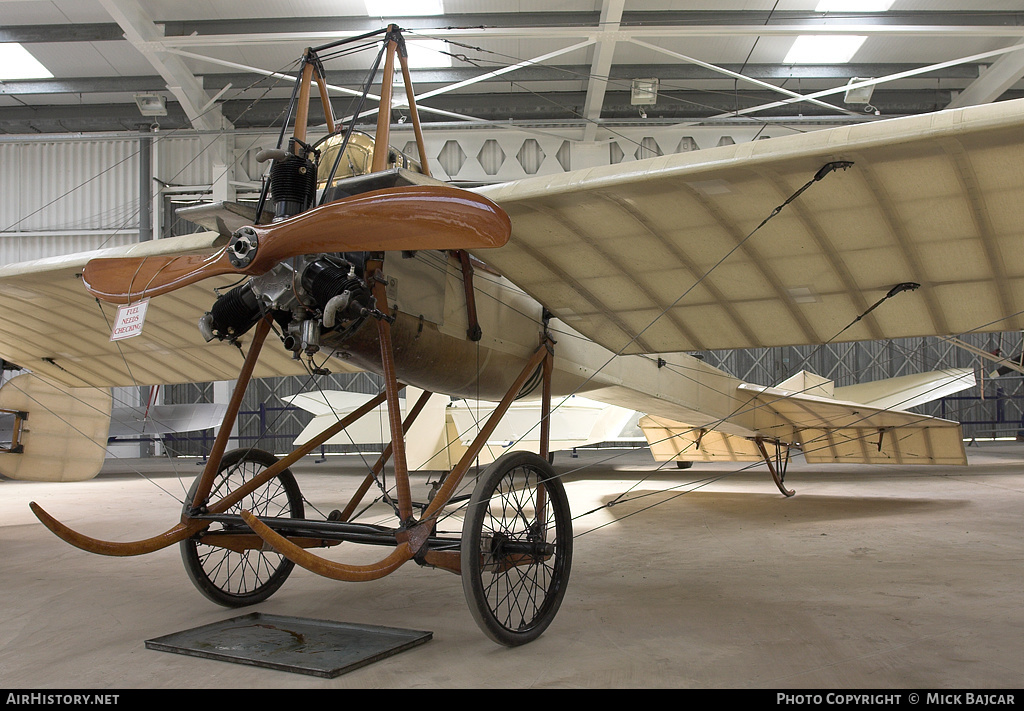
(870, 577)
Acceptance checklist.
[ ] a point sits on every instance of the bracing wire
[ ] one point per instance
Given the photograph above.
(775, 212)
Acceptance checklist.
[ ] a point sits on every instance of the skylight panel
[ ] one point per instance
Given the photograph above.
(853, 5)
(403, 8)
(823, 49)
(428, 54)
(16, 62)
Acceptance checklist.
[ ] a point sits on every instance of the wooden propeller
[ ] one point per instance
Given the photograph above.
(403, 218)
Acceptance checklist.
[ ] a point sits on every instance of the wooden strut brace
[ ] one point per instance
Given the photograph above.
(778, 467)
(413, 534)
(473, 332)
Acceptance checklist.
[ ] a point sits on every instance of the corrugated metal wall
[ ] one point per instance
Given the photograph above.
(60, 197)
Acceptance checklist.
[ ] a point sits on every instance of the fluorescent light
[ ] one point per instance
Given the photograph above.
(823, 49)
(403, 8)
(17, 63)
(853, 5)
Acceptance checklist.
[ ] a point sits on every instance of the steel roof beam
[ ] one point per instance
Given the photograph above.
(146, 37)
(993, 82)
(600, 68)
(746, 21)
(635, 18)
(531, 73)
(578, 31)
(881, 80)
(735, 75)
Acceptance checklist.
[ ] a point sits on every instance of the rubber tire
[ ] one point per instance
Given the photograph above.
(270, 567)
(540, 584)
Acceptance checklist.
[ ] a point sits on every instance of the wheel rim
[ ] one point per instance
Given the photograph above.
(524, 546)
(229, 577)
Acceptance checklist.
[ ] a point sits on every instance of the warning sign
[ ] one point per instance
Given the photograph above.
(130, 318)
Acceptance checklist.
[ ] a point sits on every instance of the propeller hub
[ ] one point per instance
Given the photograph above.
(242, 248)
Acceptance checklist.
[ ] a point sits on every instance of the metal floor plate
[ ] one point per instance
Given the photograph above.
(292, 644)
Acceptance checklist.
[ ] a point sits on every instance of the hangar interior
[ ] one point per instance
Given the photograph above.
(891, 579)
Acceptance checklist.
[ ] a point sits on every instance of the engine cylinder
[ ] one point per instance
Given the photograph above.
(323, 280)
(235, 312)
(292, 185)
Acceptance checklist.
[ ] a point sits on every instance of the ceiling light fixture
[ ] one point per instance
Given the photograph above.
(151, 104)
(858, 94)
(644, 92)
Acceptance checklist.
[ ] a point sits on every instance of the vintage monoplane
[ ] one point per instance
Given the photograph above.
(592, 283)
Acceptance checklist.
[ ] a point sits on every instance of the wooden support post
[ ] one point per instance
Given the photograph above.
(302, 107)
(473, 332)
(325, 100)
(382, 138)
(417, 129)
(234, 405)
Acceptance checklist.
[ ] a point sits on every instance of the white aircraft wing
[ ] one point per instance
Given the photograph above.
(663, 255)
(53, 327)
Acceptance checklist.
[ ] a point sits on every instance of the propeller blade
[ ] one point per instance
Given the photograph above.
(121, 280)
(404, 218)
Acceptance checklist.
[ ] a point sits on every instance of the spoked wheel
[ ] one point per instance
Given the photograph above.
(516, 548)
(236, 579)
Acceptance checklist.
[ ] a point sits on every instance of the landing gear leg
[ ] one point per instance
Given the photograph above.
(778, 466)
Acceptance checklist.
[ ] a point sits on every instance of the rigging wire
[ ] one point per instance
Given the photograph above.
(775, 212)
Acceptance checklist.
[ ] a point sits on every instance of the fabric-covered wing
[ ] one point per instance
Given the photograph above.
(653, 256)
(53, 327)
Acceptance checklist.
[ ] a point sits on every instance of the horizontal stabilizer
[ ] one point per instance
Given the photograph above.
(673, 440)
(826, 429)
(908, 391)
(940, 442)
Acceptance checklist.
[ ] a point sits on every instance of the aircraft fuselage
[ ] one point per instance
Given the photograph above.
(433, 352)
